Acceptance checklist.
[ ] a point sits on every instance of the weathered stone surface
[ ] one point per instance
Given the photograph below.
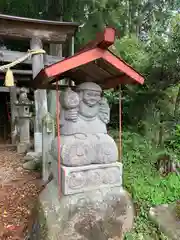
(96, 215)
(27, 158)
(32, 161)
(48, 131)
(83, 119)
(33, 164)
(79, 150)
(22, 147)
(91, 177)
(93, 205)
(34, 154)
(165, 217)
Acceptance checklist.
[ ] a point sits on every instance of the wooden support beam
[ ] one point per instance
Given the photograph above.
(10, 56)
(13, 99)
(40, 96)
(49, 73)
(19, 72)
(18, 77)
(27, 28)
(103, 40)
(4, 89)
(123, 67)
(29, 84)
(55, 49)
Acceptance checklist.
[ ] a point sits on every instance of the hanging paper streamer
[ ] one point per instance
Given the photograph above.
(9, 78)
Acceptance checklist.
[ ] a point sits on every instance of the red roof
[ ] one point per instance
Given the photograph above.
(95, 62)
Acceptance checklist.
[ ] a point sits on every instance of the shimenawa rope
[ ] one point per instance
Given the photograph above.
(9, 78)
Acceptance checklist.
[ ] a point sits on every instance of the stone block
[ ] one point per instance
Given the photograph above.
(38, 142)
(95, 215)
(22, 147)
(91, 177)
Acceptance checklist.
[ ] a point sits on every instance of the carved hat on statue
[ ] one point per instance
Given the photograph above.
(89, 93)
(88, 86)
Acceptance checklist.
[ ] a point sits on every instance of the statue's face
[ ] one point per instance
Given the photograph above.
(91, 98)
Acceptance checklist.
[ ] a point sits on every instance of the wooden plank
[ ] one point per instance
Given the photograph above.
(94, 71)
(19, 72)
(29, 84)
(123, 67)
(55, 49)
(10, 56)
(14, 114)
(5, 146)
(49, 73)
(26, 28)
(40, 96)
(4, 89)
(101, 63)
(39, 21)
(103, 40)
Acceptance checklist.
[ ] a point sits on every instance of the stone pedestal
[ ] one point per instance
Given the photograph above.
(92, 205)
(22, 147)
(88, 178)
(100, 214)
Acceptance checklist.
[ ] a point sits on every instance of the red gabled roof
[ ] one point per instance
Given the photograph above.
(95, 62)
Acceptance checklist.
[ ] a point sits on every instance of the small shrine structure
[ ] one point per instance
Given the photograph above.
(44, 43)
(84, 198)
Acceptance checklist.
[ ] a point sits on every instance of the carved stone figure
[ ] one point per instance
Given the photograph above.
(84, 114)
(23, 98)
(84, 111)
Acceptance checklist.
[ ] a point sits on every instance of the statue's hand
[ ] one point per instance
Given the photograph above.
(71, 115)
(104, 111)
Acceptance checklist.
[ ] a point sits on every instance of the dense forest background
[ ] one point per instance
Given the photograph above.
(149, 41)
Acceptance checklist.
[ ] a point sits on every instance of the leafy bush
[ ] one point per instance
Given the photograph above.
(144, 183)
(174, 142)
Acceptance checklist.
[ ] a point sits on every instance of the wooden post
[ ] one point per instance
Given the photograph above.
(55, 50)
(48, 134)
(13, 99)
(120, 123)
(40, 96)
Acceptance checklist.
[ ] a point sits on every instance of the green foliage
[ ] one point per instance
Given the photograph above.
(145, 184)
(132, 51)
(112, 97)
(174, 142)
(150, 42)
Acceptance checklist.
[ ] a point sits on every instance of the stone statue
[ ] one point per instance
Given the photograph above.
(91, 179)
(84, 115)
(23, 98)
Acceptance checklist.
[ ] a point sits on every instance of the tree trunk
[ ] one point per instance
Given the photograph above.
(177, 106)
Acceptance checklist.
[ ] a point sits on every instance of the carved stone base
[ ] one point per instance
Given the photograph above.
(101, 214)
(23, 147)
(88, 178)
(38, 142)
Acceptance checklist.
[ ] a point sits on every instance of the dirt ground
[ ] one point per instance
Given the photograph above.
(19, 190)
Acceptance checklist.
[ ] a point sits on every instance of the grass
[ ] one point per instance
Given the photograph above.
(145, 184)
